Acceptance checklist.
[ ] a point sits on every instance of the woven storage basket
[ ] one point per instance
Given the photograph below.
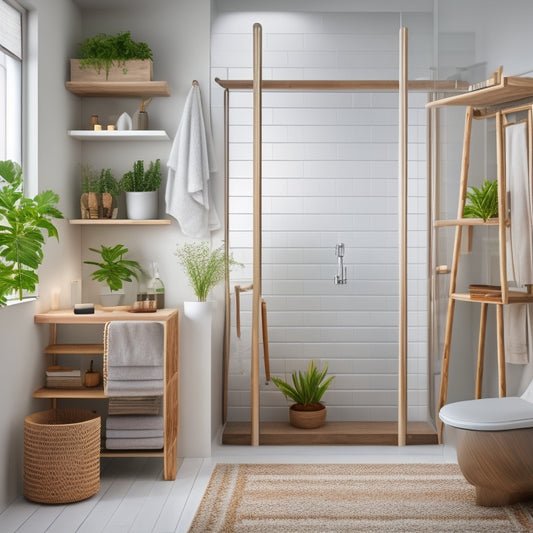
(61, 455)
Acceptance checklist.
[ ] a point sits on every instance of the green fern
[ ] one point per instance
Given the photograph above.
(483, 202)
(307, 387)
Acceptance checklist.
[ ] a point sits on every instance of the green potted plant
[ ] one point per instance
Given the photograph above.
(306, 391)
(99, 193)
(112, 58)
(23, 222)
(113, 270)
(141, 187)
(205, 268)
(482, 202)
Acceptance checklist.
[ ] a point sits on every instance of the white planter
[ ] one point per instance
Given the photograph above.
(110, 298)
(142, 205)
(195, 380)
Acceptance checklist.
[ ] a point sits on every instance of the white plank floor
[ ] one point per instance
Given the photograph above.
(134, 498)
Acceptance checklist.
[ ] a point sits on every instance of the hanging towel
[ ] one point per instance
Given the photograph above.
(190, 163)
(519, 241)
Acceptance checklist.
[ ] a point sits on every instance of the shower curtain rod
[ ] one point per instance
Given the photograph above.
(346, 85)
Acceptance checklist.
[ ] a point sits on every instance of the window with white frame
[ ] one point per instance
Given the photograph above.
(11, 28)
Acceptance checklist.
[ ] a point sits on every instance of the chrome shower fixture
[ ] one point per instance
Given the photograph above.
(340, 278)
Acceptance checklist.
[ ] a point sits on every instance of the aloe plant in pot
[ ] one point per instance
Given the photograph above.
(306, 392)
(23, 222)
(114, 270)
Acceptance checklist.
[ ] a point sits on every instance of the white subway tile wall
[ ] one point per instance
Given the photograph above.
(329, 176)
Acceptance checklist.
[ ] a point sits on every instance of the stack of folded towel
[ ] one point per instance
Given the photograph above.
(130, 432)
(133, 358)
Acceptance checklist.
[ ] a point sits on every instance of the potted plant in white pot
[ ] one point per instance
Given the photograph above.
(22, 223)
(113, 270)
(306, 391)
(141, 187)
(205, 268)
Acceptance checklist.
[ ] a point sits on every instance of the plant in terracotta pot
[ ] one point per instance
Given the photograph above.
(99, 193)
(141, 187)
(24, 222)
(113, 54)
(306, 391)
(113, 269)
(205, 268)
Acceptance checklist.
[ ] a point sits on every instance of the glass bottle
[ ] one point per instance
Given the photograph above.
(157, 287)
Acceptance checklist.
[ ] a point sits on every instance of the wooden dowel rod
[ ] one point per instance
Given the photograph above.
(501, 351)
(403, 156)
(257, 161)
(481, 350)
(502, 206)
(227, 322)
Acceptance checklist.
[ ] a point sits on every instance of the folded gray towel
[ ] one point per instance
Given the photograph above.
(134, 373)
(132, 433)
(148, 387)
(135, 422)
(154, 443)
(134, 343)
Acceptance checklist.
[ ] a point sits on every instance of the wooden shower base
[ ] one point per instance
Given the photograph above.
(332, 433)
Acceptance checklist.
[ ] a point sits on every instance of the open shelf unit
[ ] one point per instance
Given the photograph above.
(170, 320)
(497, 101)
(138, 89)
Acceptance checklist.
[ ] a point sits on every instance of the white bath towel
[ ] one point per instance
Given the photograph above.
(519, 241)
(133, 433)
(135, 422)
(520, 235)
(190, 163)
(148, 443)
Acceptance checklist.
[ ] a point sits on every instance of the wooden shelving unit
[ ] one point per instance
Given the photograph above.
(169, 318)
(495, 101)
(132, 89)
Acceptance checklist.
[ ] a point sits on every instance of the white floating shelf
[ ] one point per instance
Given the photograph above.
(123, 135)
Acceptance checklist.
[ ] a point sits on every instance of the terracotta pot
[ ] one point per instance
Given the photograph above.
(307, 417)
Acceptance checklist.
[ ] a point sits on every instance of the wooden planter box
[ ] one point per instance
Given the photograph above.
(136, 70)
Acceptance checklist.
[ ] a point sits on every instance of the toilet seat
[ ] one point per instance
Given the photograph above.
(489, 414)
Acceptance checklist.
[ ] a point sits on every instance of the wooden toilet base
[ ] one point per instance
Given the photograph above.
(498, 463)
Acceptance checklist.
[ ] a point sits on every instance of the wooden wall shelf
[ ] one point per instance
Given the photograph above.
(510, 89)
(138, 89)
(129, 135)
(118, 222)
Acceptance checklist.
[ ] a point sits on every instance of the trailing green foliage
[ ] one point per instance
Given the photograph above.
(483, 202)
(307, 387)
(103, 51)
(205, 268)
(113, 269)
(23, 222)
(139, 180)
(104, 182)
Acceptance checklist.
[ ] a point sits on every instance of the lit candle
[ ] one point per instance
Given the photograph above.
(97, 127)
(54, 299)
(110, 127)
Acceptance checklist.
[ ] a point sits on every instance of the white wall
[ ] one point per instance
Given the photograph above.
(179, 34)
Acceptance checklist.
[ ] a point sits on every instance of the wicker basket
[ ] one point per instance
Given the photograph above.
(61, 455)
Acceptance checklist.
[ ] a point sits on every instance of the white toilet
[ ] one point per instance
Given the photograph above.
(495, 446)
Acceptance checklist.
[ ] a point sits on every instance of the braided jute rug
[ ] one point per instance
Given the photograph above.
(323, 498)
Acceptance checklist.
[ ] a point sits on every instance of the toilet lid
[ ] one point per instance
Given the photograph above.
(489, 414)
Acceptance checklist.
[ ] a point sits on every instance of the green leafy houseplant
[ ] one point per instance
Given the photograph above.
(306, 391)
(139, 180)
(483, 202)
(22, 223)
(307, 387)
(113, 269)
(103, 51)
(204, 267)
(98, 193)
